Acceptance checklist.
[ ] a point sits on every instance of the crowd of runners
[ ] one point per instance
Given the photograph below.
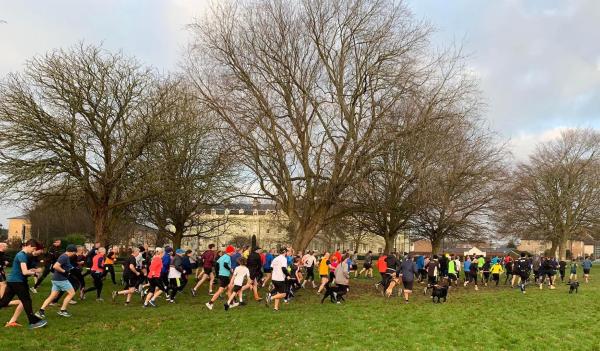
(277, 274)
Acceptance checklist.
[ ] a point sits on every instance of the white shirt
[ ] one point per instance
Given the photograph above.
(309, 260)
(278, 263)
(239, 274)
(173, 273)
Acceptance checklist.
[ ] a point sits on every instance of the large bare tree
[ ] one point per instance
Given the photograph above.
(555, 196)
(305, 87)
(74, 121)
(192, 170)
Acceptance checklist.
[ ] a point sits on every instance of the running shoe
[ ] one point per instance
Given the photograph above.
(268, 300)
(52, 304)
(39, 324)
(193, 292)
(33, 290)
(152, 303)
(114, 296)
(209, 305)
(12, 325)
(72, 302)
(40, 315)
(64, 313)
(226, 305)
(99, 299)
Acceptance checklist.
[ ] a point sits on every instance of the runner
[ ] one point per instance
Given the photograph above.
(496, 271)
(573, 272)
(109, 262)
(224, 274)
(408, 270)
(367, 266)
(523, 267)
(587, 267)
(208, 261)
(433, 269)
(562, 268)
(324, 271)
(60, 283)
(254, 264)
(452, 271)
(131, 275)
(16, 284)
(154, 278)
(237, 286)
(487, 266)
(175, 274)
(309, 260)
(280, 274)
(269, 257)
(342, 279)
(3, 263)
(97, 273)
(51, 256)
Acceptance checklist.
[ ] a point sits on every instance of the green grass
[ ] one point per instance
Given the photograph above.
(490, 319)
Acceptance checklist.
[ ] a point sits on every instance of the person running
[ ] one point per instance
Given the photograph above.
(408, 270)
(51, 256)
(324, 272)
(309, 260)
(573, 271)
(523, 267)
(367, 266)
(452, 271)
(487, 266)
(587, 267)
(16, 284)
(175, 274)
(562, 269)
(269, 257)
(473, 271)
(241, 273)
(3, 263)
(156, 286)
(392, 264)
(254, 264)
(382, 268)
(457, 266)
(224, 275)
(279, 276)
(131, 275)
(60, 283)
(208, 261)
(496, 270)
(97, 273)
(508, 268)
(109, 268)
(536, 263)
(342, 279)
(433, 269)
(467, 270)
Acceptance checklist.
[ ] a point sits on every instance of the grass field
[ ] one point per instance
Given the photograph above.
(490, 319)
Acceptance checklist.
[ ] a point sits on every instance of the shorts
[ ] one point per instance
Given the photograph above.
(408, 285)
(131, 282)
(237, 288)
(354, 267)
(550, 273)
(255, 275)
(61, 285)
(279, 286)
(268, 270)
(208, 270)
(586, 271)
(223, 281)
(155, 283)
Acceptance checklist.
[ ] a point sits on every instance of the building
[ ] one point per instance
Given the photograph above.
(19, 228)
(576, 248)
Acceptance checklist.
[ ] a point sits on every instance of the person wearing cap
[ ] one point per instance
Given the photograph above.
(224, 275)
(131, 275)
(60, 282)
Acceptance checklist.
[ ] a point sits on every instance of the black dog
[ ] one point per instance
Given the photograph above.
(334, 293)
(439, 291)
(573, 286)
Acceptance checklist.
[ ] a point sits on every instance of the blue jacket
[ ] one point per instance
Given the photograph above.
(166, 261)
(420, 262)
(467, 265)
(268, 259)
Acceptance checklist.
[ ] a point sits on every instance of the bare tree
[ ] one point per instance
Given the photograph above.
(74, 122)
(192, 170)
(304, 87)
(555, 196)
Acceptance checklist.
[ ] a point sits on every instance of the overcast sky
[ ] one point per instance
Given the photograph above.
(538, 61)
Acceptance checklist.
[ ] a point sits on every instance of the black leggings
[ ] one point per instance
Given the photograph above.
(22, 292)
(97, 276)
(47, 270)
(109, 268)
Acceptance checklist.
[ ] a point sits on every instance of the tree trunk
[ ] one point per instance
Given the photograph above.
(305, 234)
(100, 216)
(389, 243)
(435, 245)
(553, 248)
(176, 238)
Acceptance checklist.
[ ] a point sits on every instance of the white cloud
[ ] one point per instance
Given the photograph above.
(524, 144)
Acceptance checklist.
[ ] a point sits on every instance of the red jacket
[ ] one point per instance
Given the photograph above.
(381, 264)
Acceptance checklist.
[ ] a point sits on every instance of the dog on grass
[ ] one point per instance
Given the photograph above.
(439, 292)
(573, 286)
(335, 294)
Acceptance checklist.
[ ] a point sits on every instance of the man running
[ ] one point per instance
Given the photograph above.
(156, 284)
(309, 261)
(523, 266)
(254, 264)
(587, 267)
(97, 273)
(16, 284)
(280, 274)
(408, 270)
(60, 283)
(51, 257)
(3, 263)
(131, 276)
(208, 261)
(367, 266)
(224, 275)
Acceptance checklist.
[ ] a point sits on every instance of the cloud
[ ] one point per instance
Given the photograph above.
(524, 144)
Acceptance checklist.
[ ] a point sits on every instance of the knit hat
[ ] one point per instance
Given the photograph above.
(229, 249)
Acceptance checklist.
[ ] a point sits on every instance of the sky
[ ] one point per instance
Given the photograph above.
(537, 61)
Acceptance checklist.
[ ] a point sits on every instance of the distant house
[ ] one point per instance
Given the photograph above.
(19, 228)
(577, 248)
